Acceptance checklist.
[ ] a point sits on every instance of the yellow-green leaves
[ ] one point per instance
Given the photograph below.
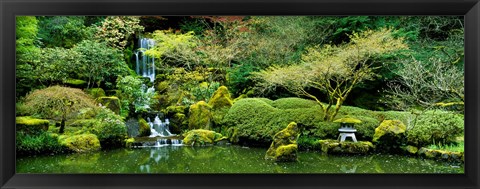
(333, 69)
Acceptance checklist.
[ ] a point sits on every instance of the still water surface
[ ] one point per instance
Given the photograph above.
(223, 159)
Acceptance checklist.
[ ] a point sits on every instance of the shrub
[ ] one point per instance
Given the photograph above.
(80, 143)
(257, 121)
(110, 129)
(31, 125)
(95, 92)
(293, 103)
(59, 103)
(39, 143)
(434, 127)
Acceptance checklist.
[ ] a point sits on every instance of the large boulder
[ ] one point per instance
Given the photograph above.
(221, 98)
(284, 146)
(220, 103)
(201, 137)
(143, 128)
(80, 143)
(111, 102)
(200, 116)
(31, 125)
(390, 135)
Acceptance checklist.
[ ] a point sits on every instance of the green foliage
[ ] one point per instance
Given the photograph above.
(95, 92)
(31, 125)
(80, 143)
(436, 127)
(38, 143)
(26, 35)
(334, 70)
(60, 103)
(459, 147)
(134, 93)
(99, 62)
(204, 91)
(175, 48)
(293, 103)
(63, 31)
(116, 31)
(110, 129)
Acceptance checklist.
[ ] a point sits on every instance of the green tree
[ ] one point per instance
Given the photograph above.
(26, 52)
(335, 70)
(134, 93)
(116, 31)
(59, 103)
(63, 31)
(99, 62)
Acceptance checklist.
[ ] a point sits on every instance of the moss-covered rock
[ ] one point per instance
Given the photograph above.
(441, 155)
(284, 146)
(143, 128)
(95, 92)
(80, 143)
(336, 147)
(410, 150)
(200, 116)
(129, 142)
(201, 137)
(31, 125)
(390, 135)
(220, 103)
(220, 98)
(75, 83)
(111, 102)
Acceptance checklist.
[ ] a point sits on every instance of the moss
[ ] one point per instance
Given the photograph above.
(348, 120)
(129, 142)
(200, 116)
(220, 98)
(441, 155)
(95, 92)
(390, 135)
(411, 150)
(111, 102)
(286, 153)
(80, 143)
(336, 147)
(77, 83)
(144, 128)
(31, 125)
(162, 86)
(293, 103)
(200, 137)
(284, 146)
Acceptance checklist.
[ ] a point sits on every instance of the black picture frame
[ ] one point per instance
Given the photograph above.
(11, 8)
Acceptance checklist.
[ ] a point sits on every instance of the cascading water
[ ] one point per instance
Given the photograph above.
(159, 128)
(145, 66)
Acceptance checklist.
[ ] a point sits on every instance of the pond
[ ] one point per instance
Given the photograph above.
(224, 159)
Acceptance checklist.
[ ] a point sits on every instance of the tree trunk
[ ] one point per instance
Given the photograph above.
(62, 126)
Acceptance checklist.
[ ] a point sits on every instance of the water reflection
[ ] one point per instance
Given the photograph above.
(224, 159)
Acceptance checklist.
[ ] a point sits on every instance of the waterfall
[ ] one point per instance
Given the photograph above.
(145, 65)
(159, 128)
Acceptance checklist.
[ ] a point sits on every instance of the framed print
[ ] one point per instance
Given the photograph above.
(239, 94)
